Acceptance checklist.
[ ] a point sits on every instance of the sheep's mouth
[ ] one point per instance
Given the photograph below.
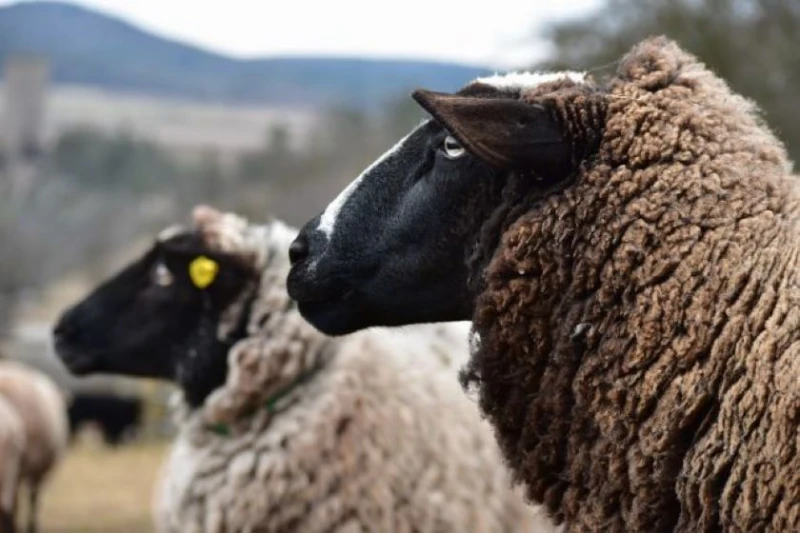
(314, 290)
(316, 299)
(320, 303)
(80, 366)
(78, 362)
(328, 312)
(323, 304)
(329, 299)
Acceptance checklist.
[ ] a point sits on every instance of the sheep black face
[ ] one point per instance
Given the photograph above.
(402, 243)
(158, 317)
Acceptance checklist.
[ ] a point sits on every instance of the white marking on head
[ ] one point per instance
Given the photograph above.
(527, 80)
(328, 219)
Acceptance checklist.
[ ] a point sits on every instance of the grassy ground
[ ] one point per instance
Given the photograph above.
(98, 489)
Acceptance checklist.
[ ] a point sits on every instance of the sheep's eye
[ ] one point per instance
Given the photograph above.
(452, 148)
(162, 276)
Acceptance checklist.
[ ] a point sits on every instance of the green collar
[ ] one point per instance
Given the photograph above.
(271, 405)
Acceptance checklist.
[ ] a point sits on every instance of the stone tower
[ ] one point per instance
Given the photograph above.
(25, 80)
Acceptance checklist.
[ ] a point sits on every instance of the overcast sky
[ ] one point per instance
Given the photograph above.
(486, 32)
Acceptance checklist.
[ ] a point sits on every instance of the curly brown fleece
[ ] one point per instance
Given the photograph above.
(639, 331)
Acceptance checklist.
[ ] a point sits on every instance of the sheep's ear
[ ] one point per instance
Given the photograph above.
(505, 132)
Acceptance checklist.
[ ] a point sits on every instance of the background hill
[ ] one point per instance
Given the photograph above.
(89, 48)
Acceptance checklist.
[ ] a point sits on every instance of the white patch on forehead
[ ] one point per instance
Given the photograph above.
(328, 219)
(527, 80)
(170, 232)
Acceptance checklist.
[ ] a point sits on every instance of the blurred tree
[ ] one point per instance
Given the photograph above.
(208, 181)
(252, 166)
(402, 115)
(753, 44)
(273, 160)
(12, 276)
(91, 198)
(279, 141)
(347, 126)
(122, 161)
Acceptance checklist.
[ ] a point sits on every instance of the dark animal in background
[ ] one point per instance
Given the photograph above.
(116, 416)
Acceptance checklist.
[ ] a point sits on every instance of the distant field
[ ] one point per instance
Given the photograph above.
(179, 124)
(101, 490)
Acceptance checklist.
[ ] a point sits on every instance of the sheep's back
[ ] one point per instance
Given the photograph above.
(42, 410)
(433, 439)
(12, 442)
(383, 439)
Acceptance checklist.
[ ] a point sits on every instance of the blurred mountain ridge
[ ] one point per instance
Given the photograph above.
(86, 47)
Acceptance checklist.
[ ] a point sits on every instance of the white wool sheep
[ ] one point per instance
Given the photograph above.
(379, 439)
(305, 433)
(12, 440)
(40, 410)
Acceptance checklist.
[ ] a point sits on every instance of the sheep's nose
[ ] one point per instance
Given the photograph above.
(299, 249)
(63, 330)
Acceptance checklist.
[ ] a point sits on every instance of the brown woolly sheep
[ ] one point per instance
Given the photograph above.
(629, 253)
(40, 408)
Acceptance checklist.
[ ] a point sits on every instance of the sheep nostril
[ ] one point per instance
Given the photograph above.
(299, 249)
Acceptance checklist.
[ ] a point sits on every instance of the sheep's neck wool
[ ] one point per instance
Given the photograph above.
(273, 404)
(639, 352)
(282, 353)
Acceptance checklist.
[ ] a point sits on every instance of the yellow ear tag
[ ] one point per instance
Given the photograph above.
(203, 271)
